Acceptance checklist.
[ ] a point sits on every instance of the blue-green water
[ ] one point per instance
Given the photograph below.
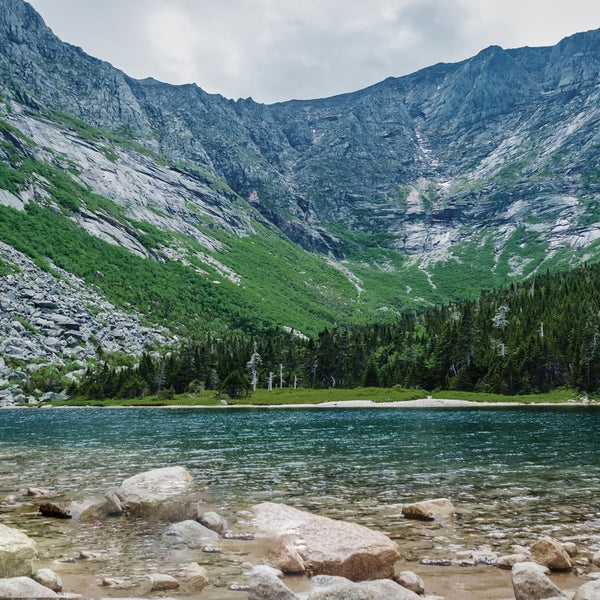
(334, 457)
(512, 473)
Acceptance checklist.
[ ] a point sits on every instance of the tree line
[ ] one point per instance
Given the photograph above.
(528, 337)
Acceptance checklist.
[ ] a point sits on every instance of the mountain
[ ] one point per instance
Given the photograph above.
(190, 209)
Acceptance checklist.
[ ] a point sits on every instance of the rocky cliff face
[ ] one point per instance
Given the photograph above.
(443, 148)
(417, 189)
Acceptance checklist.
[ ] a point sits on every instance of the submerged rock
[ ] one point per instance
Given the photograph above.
(191, 533)
(439, 509)
(328, 546)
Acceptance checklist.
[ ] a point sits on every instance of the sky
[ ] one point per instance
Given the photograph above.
(277, 50)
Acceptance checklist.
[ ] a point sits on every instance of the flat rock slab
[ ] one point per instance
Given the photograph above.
(328, 546)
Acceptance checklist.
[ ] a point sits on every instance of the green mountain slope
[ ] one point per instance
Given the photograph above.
(197, 210)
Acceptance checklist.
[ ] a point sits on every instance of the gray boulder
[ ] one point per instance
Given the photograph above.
(160, 494)
(24, 587)
(267, 586)
(17, 552)
(191, 533)
(214, 521)
(588, 591)
(328, 546)
(530, 582)
(48, 578)
(411, 581)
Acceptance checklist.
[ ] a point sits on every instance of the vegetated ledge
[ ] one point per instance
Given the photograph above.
(343, 398)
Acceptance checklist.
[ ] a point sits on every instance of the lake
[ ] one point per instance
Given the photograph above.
(513, 474)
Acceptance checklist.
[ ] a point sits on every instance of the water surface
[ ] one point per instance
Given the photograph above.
(512, 473)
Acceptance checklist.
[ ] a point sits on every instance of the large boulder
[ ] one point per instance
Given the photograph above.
(439, 509)
(328, 546)
(530, 582)
(551, 553)
(24, 587)
(588, 591)
(17, 552)
(161, 494)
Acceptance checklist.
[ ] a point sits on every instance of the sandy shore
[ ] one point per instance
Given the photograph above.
(420, 403)
(428, 402)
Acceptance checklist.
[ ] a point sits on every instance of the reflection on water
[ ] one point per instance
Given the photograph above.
(513, 474)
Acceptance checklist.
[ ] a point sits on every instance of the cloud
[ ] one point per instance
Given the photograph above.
(277, 50)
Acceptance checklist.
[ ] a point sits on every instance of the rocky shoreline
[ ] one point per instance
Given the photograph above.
(270, 551)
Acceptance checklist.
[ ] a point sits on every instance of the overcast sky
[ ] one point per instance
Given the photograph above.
(275, 50)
